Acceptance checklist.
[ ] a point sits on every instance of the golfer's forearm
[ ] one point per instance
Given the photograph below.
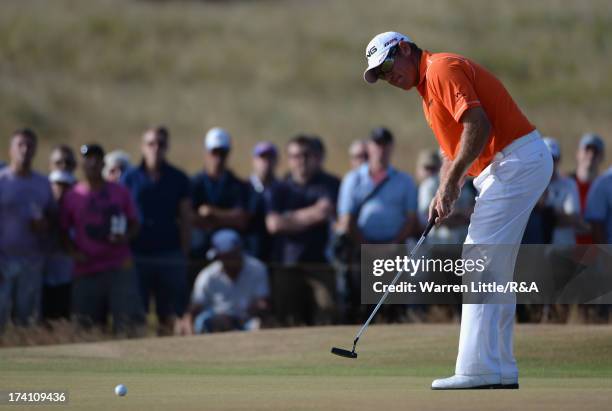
(473, 141)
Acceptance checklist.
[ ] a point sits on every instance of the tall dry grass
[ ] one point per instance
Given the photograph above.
(104, 70)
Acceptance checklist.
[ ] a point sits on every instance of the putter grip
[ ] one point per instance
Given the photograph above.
(430, 223)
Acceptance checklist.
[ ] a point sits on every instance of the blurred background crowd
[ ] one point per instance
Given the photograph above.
(103, 241)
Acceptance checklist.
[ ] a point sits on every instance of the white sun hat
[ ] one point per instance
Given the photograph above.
(377, 51)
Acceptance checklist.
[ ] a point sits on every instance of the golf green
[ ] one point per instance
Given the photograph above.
(562, 367)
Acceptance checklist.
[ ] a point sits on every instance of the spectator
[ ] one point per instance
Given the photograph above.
(62, 159)
(232, 292)
(562, 196)
(57, 283)
(219, 198)
(265, 160)
(300, 209)
(358, 153)
(454, 228)
(161, 193)
(428, 165)
(599, 208)
(377, 204)
(26, 208)
(318, 161)
(99, 219)
(116, 163)
(589, 157)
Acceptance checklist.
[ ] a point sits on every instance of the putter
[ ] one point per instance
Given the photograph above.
(352, 354)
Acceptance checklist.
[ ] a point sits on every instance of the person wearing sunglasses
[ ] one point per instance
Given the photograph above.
(482, 133)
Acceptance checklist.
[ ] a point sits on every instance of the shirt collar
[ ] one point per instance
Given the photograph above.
(424, 64)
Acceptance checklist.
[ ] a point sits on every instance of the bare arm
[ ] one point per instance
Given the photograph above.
(476, 130)
(210, 217)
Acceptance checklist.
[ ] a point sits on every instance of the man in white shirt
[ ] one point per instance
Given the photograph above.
(229, 294)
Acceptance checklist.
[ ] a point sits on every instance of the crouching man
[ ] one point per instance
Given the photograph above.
(229, 294)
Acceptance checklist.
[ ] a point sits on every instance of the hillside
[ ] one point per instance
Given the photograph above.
(104, 70)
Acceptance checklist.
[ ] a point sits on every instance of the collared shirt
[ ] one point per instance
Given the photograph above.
(383, 215)
(309, 245)
(599, 203)
(215, 290)
(157, 202)
(450, 84)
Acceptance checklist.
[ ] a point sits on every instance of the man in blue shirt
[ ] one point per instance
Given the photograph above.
(599, 208)
(258, 241)
(387, 215)
(219, 198)
(162, 196)
(300, 211)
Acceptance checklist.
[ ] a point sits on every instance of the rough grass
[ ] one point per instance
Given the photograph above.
(562, 367)
(104, 70)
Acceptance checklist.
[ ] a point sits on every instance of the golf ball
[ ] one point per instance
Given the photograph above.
(121, 390)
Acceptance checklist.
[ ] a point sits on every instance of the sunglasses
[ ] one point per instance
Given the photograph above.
(387, 65)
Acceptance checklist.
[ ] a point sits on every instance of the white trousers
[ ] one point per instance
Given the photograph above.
(508, 189)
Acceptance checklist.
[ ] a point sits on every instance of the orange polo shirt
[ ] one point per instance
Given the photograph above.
(449, 85)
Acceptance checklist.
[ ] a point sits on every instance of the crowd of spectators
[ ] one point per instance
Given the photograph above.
(214, 252)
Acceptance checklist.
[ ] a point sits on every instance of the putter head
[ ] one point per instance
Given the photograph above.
(343, 353)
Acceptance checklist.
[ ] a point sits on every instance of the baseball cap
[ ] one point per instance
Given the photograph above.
(381, 135)
(217, 138)
(223, 241)
(265, 147)
(62, 177)
(592, 140)
(92, 150)
(377, 51)
(553, 147)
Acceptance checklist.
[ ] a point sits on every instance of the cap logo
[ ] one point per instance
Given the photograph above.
(371, 52)
(393, 40)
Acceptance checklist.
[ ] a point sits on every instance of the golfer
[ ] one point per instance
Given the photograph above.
(481, 132)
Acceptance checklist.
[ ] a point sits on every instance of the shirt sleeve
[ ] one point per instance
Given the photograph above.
(451, 80)
(198, 196)
(198, 295)
(346, 197)
(184, 189)
(597, 201)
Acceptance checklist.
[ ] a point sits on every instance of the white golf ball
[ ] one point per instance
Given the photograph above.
(121, 390)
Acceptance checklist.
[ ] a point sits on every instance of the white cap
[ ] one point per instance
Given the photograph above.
(62, 177)
(377, 51)
(217, 138)
(224, 241)
(553, 146)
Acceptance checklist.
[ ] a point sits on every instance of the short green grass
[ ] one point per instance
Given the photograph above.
(104, 70)
(562, 367)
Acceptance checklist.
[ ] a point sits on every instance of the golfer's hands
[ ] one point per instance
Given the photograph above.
(444, 201)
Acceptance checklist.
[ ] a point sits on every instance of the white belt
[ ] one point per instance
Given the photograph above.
(519, 142)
